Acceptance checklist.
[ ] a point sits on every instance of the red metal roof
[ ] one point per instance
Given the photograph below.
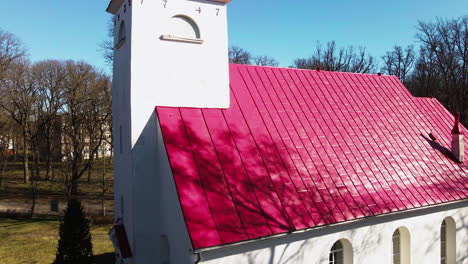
(299, 149)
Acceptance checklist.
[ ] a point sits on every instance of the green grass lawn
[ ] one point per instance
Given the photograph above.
(35, 241)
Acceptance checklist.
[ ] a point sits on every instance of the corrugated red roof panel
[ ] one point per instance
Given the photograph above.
(299, 149)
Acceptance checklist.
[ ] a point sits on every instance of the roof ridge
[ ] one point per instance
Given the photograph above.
(313, 70)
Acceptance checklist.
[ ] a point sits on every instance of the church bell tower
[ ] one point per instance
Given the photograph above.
(170, 53)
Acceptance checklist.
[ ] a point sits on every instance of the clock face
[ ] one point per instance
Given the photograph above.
(205, 9)
(184, 27)
(185, 16)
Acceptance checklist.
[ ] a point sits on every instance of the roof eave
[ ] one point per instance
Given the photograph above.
(114, 6)
(422, 210)
(221, 1)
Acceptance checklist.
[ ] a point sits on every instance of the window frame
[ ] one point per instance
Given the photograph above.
(402, 236)
(396, 238)
(447, 241)
(443, 243)
(336, 250)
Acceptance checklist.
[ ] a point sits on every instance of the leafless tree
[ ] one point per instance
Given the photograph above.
(98, 114)
(442, 67)
(86, 96)
(332, 58)
(11, 51)
(18, 99)
(50, 78)
(265, 61)
(399, 62)
(238, 55)
(424, 80)
(104, 182)
(12, 56)
(6, 127)
(107, 45)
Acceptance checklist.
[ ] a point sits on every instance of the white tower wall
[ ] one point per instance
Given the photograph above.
(174, 73)
(121, 119)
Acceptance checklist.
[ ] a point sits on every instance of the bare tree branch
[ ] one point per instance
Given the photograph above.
(332, 58)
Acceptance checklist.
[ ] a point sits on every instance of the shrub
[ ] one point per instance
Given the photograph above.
(74, 246)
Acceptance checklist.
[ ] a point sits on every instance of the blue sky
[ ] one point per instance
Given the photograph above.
(284, 29)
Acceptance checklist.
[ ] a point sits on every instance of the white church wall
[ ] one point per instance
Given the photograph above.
(146, 206)
(121, 121)
(177, 73)
(158, 220)
(371, 240)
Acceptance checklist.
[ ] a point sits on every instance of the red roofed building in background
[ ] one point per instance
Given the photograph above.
(219, 163)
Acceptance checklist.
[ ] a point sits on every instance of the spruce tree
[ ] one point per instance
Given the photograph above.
(74, 246)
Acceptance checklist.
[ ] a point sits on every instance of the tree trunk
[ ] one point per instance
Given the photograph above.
(103, 207)
(74, 175)
(2, 172)
(37, 170)
(74, 185)
(25, 157)
(48, 154)
(34, 195)
(35, 174)
(47, 172)
(50, 171)
(15, 149)
(89, 171)
(48, 166)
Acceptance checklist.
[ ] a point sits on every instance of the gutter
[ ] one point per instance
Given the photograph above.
(198, 252)
(198, 258)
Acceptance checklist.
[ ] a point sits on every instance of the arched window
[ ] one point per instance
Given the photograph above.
(396, 252)
(341, 253)
(401, 246)
(336, 253)
(447, 241)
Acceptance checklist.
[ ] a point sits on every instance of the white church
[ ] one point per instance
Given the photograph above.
(223, 163)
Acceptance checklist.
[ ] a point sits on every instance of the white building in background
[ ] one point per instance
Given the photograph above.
(219, 163)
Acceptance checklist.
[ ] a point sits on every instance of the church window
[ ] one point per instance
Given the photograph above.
(447, 241)
(336, 254)
(443, 243)
(396, 253)
(341, 253)
(401, 246)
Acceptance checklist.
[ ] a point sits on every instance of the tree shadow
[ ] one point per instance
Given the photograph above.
(263, 170)
(233, 191)
(106, 258)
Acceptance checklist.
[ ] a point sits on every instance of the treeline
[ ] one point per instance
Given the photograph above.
(61, 110)
(51, 111)
(436, 67)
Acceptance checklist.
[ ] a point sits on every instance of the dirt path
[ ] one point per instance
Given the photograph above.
(21, 204)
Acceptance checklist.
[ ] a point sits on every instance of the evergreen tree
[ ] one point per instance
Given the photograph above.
(74, 245)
